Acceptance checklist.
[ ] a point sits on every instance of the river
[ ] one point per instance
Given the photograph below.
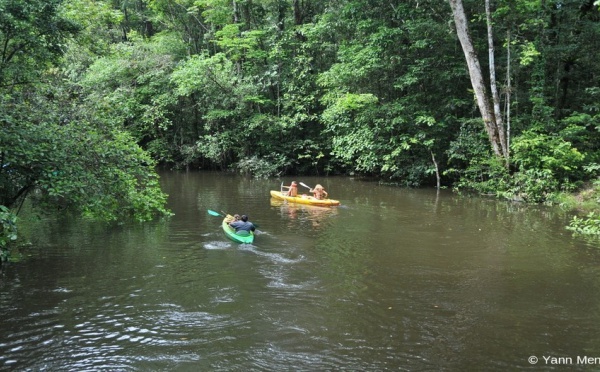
(393, 279)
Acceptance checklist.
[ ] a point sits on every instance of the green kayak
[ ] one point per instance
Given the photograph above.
(241, 237)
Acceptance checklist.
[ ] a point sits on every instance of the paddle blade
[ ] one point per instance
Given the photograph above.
(305, 185)
(213, 213)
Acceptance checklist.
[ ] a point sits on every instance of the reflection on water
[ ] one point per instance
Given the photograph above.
(393, 279)
(303, 214)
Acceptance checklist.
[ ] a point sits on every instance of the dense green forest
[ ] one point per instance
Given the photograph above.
(496, 97)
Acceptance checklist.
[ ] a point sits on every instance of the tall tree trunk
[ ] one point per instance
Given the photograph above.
(280, 16)
(493, 86)
(235, 11)
(476, 75)
(125, 25)
(437, 171)
(508, 94)
(297, 13)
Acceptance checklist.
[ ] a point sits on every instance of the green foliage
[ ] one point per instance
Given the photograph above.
(532, 185)
(353, 144)
(211, 83)
(205, 75)
(92, 14)
(51, 150)
(549, 154)
(485, 176)
(216, 12)
(65, 163)
(265, 167)
(587, 226)
(543, 164)
(528, 54)
(99, 23)
(32, 35)
(384, 140)
(8, 231)
(183, 20)
(583, 132)
(239, 44)
(390, 97)
(214, 147)
(131, 89)
(265, 87)
(470, 161)
(344, 104)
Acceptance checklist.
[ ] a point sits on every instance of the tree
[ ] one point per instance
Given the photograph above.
(489, 112)
(32, 33)
(53, 154)
(51, 150)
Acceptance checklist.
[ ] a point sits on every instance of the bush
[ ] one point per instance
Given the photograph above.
(533, 185)
(266, 167)
(536, 151)
(485, 176)
(589, 226)
(8, 231)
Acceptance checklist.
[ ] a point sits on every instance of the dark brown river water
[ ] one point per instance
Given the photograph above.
(393, 279)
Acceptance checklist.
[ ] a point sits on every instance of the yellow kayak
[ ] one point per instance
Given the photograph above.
(304, 199)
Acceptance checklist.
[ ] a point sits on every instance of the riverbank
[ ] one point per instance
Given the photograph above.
(586, 200)
(586, 203)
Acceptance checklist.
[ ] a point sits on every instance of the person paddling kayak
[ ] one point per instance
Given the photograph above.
(292, 189)
(242, 224)
(319, 192)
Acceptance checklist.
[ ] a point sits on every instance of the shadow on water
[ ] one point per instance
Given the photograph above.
(391, 279)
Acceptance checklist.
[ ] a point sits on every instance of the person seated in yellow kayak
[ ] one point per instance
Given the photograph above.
(319, 192)
(242, 224)
(292, 189)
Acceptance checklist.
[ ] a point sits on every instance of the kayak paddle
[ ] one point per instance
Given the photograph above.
(305, 185)
(216, 214)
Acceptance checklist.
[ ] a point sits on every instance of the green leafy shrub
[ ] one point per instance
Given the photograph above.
(8, 231)
(484, 176)
(589, 226)
(546, 165)
(533, 150)
(471, 166)
(532, 185)
(265, 167)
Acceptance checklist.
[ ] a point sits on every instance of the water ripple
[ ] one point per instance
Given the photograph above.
(217, 245)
